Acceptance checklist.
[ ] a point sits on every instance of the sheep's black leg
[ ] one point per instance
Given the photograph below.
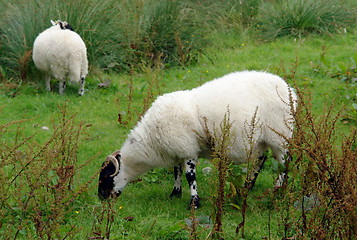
(177, 191)
(62, 86)
(190, 167)
(81, 87)
(48, 82)
(255, 172)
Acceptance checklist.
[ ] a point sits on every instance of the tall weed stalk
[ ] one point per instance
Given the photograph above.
(328, 175)
(220, 139)
(39, 180)
(319, 200)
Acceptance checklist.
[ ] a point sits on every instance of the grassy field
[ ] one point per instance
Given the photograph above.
(144, 209)
(52, 146)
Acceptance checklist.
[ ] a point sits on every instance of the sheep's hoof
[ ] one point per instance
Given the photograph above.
(195, 202)
(176, 192)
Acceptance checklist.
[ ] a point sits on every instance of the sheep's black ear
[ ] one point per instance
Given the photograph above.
(69, 27)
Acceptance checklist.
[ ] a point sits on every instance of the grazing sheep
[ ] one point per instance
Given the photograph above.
(172, 131)
(60, 52)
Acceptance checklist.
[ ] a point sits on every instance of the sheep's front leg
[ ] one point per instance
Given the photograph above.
(48, 82)
(258, 165)
(177, 191)
(81, 87)
(62, 86)
(190, 167)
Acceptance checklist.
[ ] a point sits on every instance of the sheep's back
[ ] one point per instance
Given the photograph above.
(175, 126)
(55, 51)
(243, 94)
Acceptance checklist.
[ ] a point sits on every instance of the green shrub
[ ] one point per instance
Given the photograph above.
(242, 13)
(301, 17)
(320, 200)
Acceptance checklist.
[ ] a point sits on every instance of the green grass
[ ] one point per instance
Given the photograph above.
(303, 17)
(155, 216)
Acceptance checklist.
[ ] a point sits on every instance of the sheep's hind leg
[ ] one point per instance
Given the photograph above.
(255, 171)
(62, 86)
(190, 167)
(48, 82)
(177, 191)
(286, 158)
(81, 87)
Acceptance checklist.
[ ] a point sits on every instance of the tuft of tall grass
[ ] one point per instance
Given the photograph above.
(297, 18)
(172, 31)
(241, 14)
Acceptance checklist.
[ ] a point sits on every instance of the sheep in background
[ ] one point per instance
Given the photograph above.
(170, 133)
(60, 52)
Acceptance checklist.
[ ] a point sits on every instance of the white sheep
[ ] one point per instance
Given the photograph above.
(60, 52)
(172, 131)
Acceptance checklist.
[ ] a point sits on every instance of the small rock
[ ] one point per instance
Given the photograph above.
(129, 218)
(106, 83)
(206, 170)
(310, 202)
(203, 221)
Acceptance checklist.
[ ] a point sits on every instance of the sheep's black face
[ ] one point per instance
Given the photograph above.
(69, 27)
(106, 183)
(106, 178)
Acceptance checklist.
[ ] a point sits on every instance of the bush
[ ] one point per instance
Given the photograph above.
(301, 17)
(320, 199)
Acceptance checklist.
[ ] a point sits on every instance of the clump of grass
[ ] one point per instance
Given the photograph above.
(171, 31)
(241, 14)
(298, 18)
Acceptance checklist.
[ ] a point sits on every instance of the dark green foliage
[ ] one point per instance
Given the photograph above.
(298, 18)
(122, 35)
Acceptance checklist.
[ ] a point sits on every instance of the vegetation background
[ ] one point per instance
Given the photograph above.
(52, 147)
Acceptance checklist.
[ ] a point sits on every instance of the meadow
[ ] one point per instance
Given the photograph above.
(52, 146)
